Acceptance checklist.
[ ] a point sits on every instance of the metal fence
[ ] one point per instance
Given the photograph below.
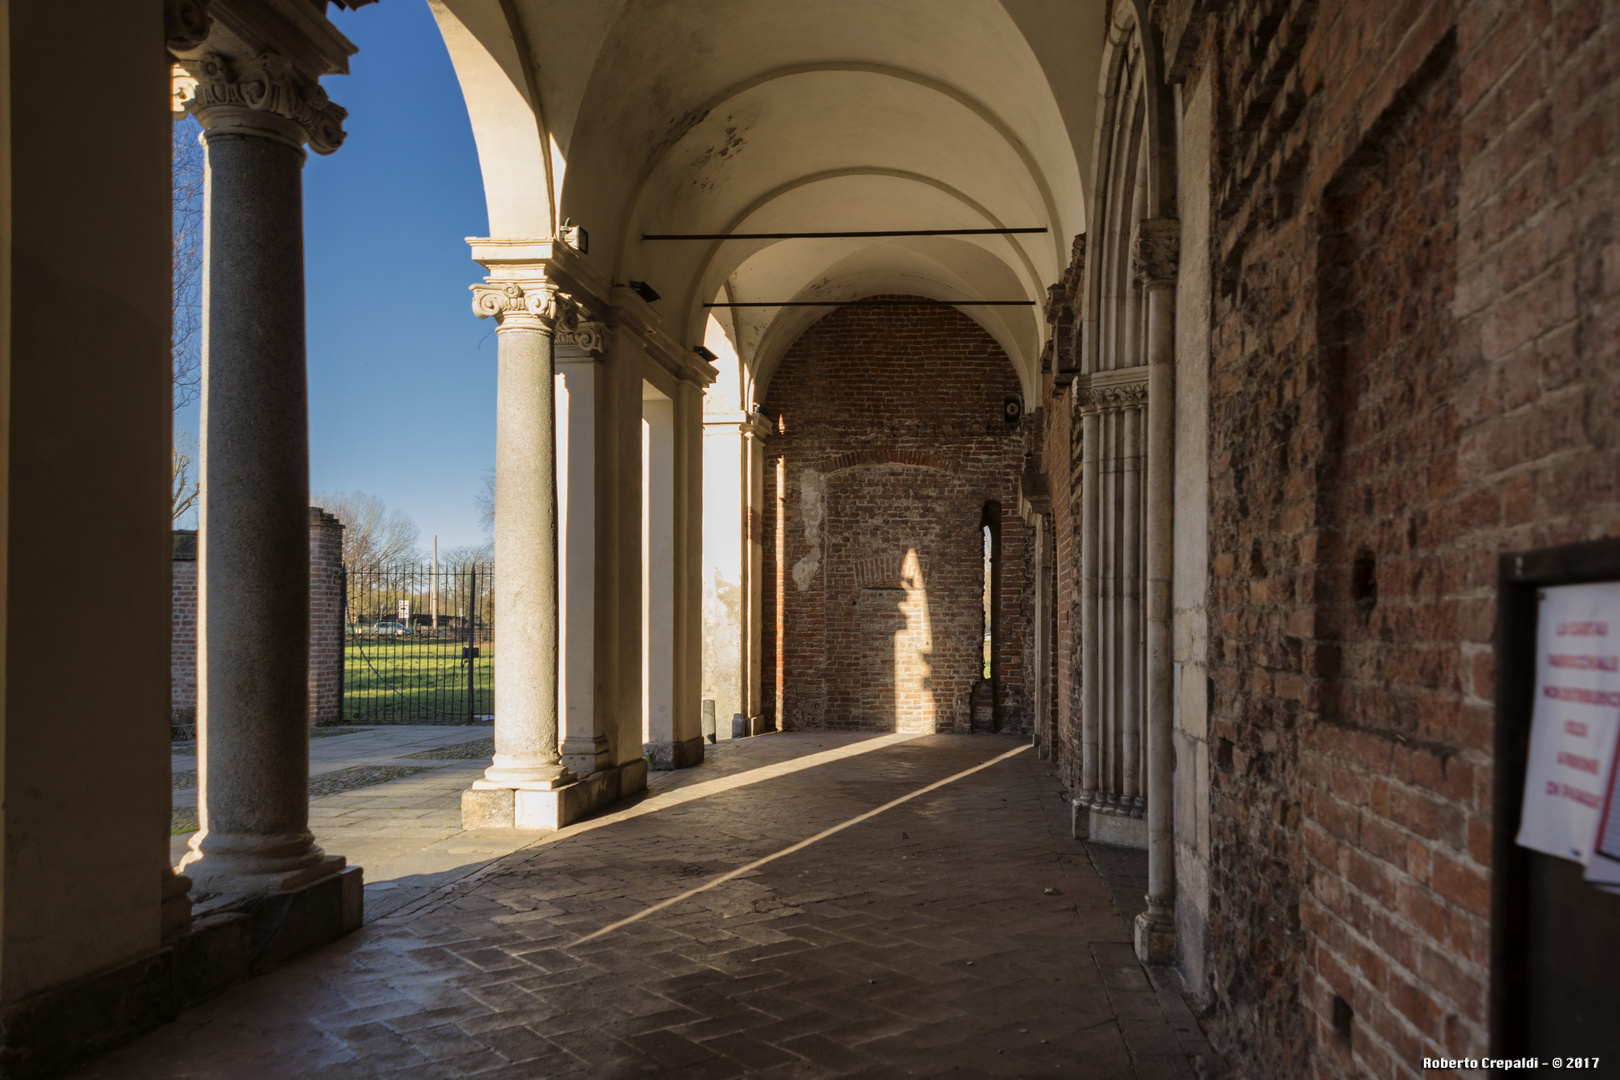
(418, 645)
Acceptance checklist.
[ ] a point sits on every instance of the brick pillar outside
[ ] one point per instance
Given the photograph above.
(325, 617)
(183, 630)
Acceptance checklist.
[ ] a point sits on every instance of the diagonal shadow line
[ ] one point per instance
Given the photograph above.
(650, 804)
(664, 800)
(800, 846)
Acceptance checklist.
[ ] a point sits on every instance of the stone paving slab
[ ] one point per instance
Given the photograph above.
(919, 940)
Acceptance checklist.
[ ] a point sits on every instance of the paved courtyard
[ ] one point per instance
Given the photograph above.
(801, 905)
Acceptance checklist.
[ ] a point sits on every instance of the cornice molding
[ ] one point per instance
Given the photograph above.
(1111, 391)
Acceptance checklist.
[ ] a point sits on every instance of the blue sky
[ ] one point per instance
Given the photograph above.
(401, 374)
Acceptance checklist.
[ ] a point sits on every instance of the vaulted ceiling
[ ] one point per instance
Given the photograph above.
(727, 116)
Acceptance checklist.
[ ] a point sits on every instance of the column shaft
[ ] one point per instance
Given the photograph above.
(253, 597)
(1089, 673)
(584, 748)
(526, 591)
(1155, 928)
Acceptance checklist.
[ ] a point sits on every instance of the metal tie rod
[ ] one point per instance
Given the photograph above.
(876, 303)
(842, 235)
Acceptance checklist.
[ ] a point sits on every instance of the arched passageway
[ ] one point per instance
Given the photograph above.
(1194, 239)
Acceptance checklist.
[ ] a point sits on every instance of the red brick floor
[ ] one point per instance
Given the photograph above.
(921, 941)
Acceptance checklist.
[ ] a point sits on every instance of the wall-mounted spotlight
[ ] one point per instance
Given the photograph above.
(705, 353)
(575, 236)
(644, 290)
(1012, 408)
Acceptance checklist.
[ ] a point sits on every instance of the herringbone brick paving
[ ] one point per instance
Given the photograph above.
(922, 941)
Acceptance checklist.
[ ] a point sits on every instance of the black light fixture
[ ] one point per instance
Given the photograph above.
(1012, 408)
(705, 353)
(644, 290)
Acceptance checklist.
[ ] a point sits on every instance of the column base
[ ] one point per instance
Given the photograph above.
(1106, 825)
(663, 756)
(174, 916)
(582, 757)
(525, 777)
(222, 864)
(231, 939)
(1156, 935)
(546, 809)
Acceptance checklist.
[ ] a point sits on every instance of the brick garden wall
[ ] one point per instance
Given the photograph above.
(892, 435)
(183, 629)
(1415, 336)
(325, 622)
(325, 617)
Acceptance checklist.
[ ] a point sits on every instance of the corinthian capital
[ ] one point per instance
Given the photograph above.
(587, 335)
(263, 95)
(533, 303)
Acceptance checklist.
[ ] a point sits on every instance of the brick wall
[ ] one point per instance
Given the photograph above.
(325, 617)
(1413, 370)
(183, 629)
(325, 622)
(892, 440)
(1060, 455)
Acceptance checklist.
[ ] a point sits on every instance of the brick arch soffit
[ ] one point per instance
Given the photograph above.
(920, 459)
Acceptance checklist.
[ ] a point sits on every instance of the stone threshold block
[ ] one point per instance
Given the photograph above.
(664, 756)
(1119, 829)
(547, 809)
(230, 939)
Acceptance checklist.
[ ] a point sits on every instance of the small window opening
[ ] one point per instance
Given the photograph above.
(1343, 1017)
(1364, 581)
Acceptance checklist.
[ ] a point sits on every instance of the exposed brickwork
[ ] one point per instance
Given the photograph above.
(183, 629)
(325, 622)
(893, 443)
(1414, 370)
(1060, 459)
(325, 617)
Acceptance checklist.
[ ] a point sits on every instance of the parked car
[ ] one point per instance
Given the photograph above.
(390, 628)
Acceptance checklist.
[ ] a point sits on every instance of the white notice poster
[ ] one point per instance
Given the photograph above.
(1574, 721)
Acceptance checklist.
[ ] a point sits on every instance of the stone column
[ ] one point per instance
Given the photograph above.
(1090, 697)
(584, 746)
(526, 593)
(253, 714)
(659, 567)
(755, 431)
(1157, 254)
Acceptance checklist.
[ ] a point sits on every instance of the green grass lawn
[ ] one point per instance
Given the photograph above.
(414, 681)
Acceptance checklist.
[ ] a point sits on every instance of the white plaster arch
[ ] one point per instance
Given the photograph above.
(491, 57)
(938, 86)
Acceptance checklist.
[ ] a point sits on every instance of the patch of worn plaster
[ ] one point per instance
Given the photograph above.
(812, 507)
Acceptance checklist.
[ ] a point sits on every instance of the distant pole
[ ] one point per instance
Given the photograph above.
(433, 584)
(472, 641)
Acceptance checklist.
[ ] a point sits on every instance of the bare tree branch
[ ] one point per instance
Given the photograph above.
(485, 502)
(372, 534)
(183, 487)
(185, 342)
